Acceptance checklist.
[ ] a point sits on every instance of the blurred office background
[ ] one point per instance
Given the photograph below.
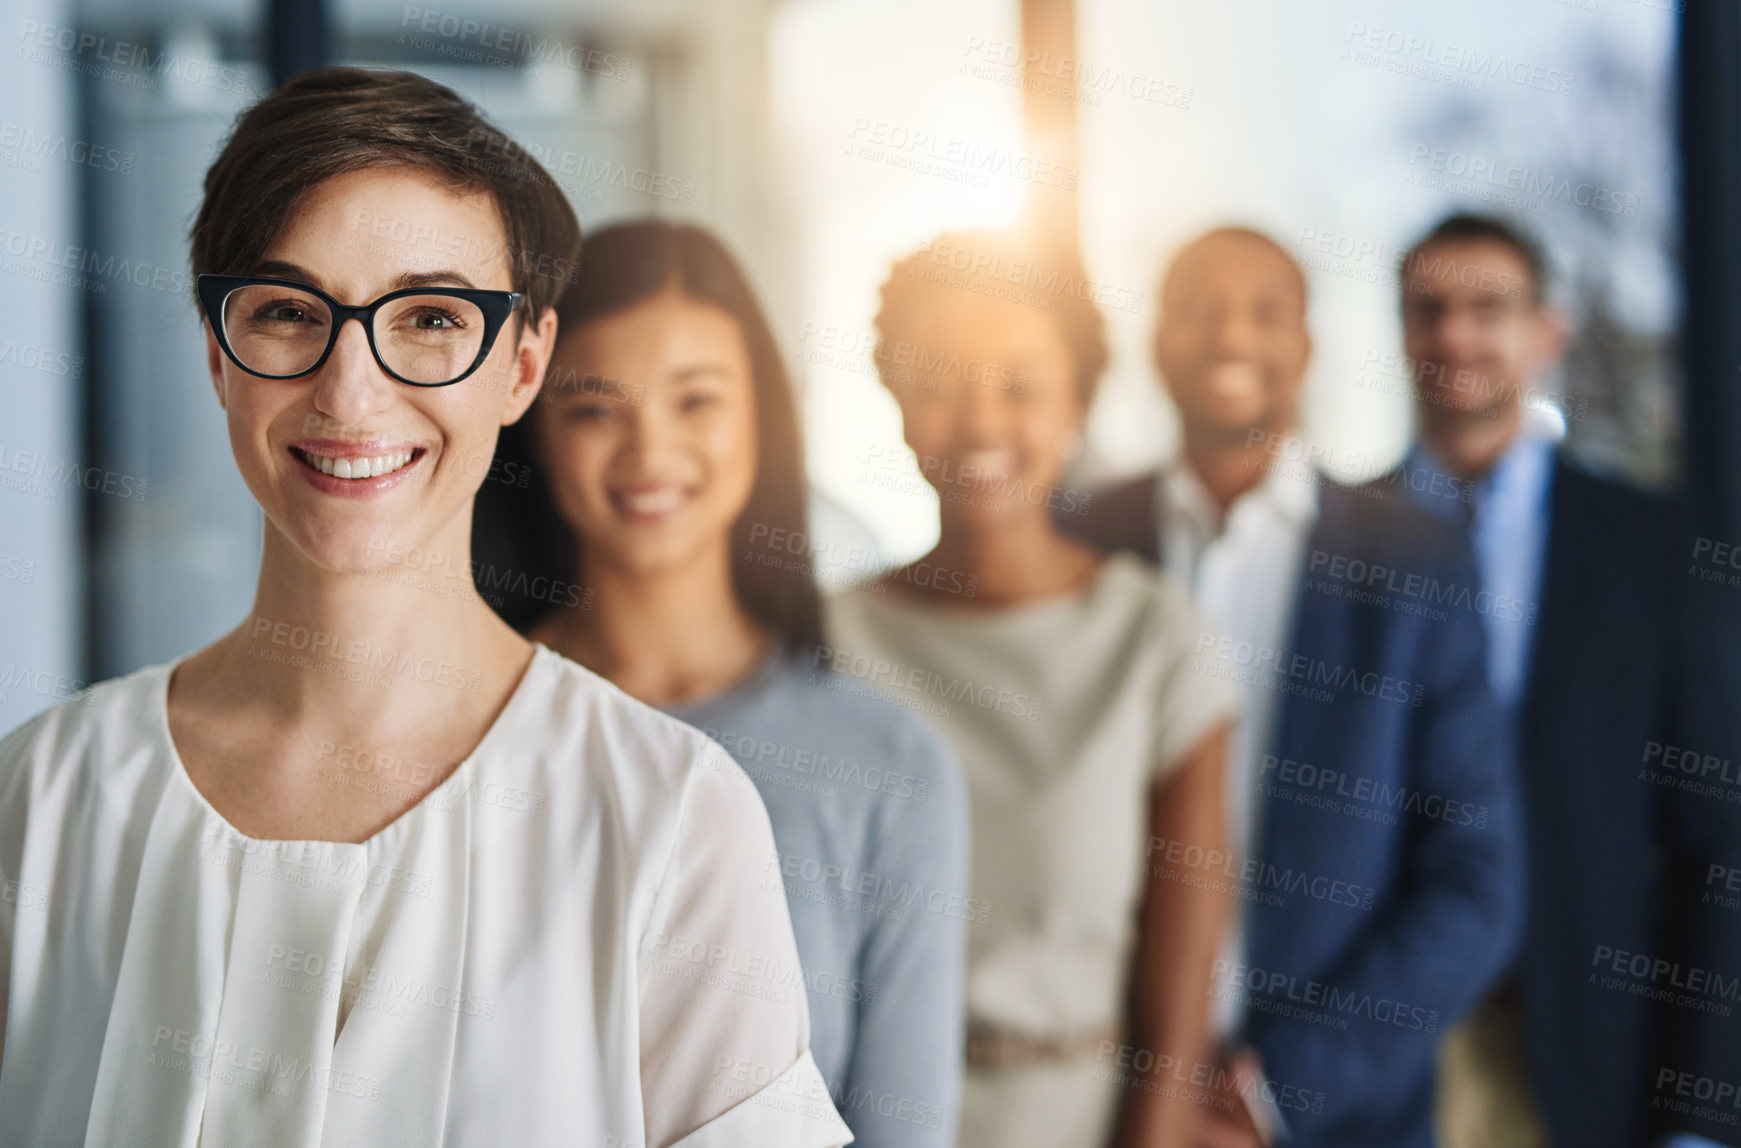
(821, 139)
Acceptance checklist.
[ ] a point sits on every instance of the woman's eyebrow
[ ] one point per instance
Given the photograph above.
(279, 269)
(699, 371)
(282, 269)
(441, 278)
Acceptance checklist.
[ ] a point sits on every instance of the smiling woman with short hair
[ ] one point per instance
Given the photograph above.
(372, 869)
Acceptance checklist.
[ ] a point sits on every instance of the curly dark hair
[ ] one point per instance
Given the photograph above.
(1010, 266)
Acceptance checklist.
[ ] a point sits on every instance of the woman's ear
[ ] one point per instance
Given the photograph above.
(215, 365)
(531, 359)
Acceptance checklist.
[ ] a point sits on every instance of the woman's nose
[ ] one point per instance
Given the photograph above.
(351, 384)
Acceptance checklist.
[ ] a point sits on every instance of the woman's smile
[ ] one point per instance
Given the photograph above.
(355, 469)
(650, 501)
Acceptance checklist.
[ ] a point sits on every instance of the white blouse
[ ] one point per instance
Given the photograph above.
(579, 938)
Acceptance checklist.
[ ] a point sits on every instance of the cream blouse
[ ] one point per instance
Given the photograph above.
(1064, 712)
(579, 938)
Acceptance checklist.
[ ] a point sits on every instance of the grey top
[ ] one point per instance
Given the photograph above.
(870, 826)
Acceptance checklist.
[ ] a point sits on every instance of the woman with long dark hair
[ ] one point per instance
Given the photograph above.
(372, 869)
(672, 493)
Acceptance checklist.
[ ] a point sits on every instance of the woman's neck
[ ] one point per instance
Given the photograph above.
(1009, 561)
(413, 668)
(363, 654)
(667, 636)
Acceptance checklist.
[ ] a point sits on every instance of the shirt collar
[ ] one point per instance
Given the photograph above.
(1522, 472)
(1522, 468)
(1187, 500)
(1288, 490)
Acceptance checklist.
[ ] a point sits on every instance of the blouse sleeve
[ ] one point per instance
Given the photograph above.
(725, 1029)
(1189, 699)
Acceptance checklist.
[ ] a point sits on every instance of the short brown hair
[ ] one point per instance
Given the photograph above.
(333, 121)
(1009, 266)
(1471, 227)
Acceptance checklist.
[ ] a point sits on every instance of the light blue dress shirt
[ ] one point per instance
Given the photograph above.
(1507, 518)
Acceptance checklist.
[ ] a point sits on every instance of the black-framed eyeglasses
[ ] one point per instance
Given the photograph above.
(424, 336)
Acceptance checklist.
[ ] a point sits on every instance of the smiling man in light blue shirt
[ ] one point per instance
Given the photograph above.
(1577, 590)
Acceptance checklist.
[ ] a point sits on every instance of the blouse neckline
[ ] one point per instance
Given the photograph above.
(753, 684)
(160, 715)
(1034, 611)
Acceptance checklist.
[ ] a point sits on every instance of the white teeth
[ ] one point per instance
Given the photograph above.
(365, 467)
(652, 502)
(991, 463)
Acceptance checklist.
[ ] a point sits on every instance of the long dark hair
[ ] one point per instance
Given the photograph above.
(526, 556)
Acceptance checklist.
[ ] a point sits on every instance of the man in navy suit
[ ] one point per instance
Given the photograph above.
(1370, 790)
(1623, 822)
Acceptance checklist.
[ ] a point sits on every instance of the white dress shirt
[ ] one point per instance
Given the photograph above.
(1243, 568)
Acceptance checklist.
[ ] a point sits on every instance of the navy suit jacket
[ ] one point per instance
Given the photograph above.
(1389, 886)
(1618, 848)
